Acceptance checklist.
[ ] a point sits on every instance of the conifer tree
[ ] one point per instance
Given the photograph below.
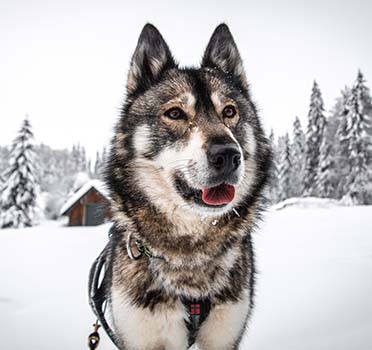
(274, 175)
(357, 142)
(285, 171)
(100, 163)
(97, 164)
(315, 132)
(3, 159)
(18, 205)
(1, 182)
(298, 159)
(325, 181)
(336, 134)
(79, 159)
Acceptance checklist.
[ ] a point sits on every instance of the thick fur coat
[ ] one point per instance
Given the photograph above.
(188, 165)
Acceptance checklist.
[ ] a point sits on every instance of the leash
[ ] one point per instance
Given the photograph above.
(198, 310)
(98, 298)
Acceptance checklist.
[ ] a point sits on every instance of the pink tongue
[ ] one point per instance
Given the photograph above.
(218, 195)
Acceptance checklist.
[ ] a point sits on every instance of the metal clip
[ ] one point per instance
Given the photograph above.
(129, 249)
(94, 338)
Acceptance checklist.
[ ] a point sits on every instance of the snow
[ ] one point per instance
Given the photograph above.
(97, 184)
(307, 202)
(314, 284)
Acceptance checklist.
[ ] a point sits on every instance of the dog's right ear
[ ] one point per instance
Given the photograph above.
(150, 60)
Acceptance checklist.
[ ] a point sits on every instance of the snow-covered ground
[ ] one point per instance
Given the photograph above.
(314, 288)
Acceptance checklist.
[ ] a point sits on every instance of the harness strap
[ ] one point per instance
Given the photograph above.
(198, 311)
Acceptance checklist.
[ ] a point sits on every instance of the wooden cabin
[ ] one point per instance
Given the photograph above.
(88, 206)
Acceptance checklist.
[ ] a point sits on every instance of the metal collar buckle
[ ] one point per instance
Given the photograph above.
(129, 248)
(142, 250)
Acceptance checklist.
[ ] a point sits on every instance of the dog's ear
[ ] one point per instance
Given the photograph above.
(222, 53)
(151, 58)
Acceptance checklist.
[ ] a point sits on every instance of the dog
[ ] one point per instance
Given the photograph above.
(187, 169)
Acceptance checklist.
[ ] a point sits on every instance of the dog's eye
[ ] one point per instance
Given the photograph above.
(229, 111)
(175, 113)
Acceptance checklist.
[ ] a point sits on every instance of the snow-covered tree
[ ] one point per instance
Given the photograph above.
(357, 143)
(298, 159)
(3, 159)
(79, 159)
(1, 182)
(272, 190)
(97, 164)
(324, 179)
(315, 132)
(285, 170)
(18, 197)
(100, 163)
(335, 135)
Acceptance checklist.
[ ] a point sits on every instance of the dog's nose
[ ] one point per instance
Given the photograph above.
(225, 158)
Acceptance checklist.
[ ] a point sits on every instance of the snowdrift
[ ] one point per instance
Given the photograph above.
(307, 202)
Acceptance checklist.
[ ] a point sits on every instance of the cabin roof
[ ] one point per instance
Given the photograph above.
(98, 185)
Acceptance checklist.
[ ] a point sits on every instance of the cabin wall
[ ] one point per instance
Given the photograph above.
(77, 214)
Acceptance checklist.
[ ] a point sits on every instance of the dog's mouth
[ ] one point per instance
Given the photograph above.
(216, 196)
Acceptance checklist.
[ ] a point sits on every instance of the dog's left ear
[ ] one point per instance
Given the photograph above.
(222, 53)
(150, 60)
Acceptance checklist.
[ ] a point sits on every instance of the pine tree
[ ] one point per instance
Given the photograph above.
(285, 173)
(18, 196)
(315, 131)
(3, 159)
(83, 162)
(100, 163)
(337, 129)
(89, 168)
(78, 159)
(1, 182)
(357, 142)
(103, 160)
(298, 159)
(97, 165)
(273, 183)
(325, 183)
(365, 102)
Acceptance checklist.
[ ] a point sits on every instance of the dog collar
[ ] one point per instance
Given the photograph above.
(142, 249)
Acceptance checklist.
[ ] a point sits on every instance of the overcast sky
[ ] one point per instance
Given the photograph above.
(65, 62)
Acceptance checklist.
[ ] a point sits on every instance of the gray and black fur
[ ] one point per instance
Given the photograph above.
(157, 170)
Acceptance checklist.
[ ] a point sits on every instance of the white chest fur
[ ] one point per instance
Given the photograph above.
(165, 329)
(143, 329)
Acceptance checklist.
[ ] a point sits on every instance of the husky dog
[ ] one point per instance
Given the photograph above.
(188, 165)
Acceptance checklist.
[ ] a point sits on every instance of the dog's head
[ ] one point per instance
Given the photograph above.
(189, 138)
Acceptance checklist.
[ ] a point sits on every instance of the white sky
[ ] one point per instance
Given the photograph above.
(65, 62)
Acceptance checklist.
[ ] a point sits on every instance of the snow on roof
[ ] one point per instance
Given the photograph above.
(96, 184)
